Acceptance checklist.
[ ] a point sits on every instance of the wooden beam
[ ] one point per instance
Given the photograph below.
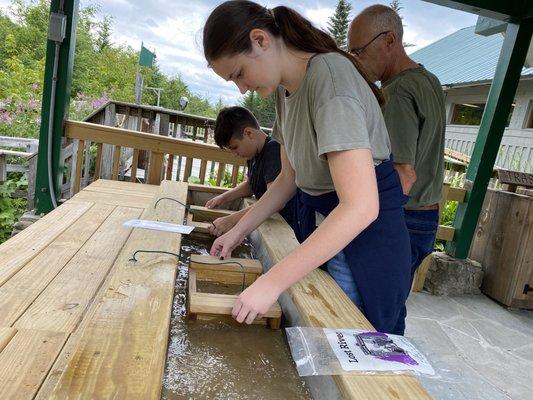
(249, 265)
(79, 163)
(98, 161)
(146, 141)
(510, 10)
(203, 214)
(222, 304)
(200, 227)
(116, 162)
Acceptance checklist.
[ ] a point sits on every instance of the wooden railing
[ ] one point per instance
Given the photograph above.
(161, 149)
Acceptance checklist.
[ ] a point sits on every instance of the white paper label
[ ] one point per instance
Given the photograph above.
(359, 350)
(159, 226)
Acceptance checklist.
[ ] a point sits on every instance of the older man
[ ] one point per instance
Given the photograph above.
(415, 117)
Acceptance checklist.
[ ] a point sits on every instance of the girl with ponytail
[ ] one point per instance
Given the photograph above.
(335, 153)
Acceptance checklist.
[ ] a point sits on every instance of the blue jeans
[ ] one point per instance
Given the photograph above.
(422, 226)
(340, 271)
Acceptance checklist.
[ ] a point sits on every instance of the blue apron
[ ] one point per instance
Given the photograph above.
(380, 256)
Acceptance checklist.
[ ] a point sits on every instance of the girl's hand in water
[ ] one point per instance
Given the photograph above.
(225, 244)
(256, 300)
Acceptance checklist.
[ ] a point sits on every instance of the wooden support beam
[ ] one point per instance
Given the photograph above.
(188, 169)
(98, 162)
(116, 162)
(79, 163)
(203, 214)
(202, 262)
(203, 169)
(134, 164)
(200, 227)
(220, 173)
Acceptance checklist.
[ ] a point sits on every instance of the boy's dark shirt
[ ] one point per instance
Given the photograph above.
(263, 169)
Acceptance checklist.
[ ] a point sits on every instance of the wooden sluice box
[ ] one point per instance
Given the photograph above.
(237, 273)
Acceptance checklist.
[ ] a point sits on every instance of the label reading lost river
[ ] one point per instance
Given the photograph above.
(359, 350)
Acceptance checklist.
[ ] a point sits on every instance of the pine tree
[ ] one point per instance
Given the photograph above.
(338, 23)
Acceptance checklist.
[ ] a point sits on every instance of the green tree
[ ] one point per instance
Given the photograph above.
(263, 108)
(339, 22)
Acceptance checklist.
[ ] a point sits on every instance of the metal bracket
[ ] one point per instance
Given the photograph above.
(57, 29)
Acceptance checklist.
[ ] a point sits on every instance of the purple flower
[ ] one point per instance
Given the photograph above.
(33, 104)
(6, 118)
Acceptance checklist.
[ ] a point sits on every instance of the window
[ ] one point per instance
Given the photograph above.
(471, 113)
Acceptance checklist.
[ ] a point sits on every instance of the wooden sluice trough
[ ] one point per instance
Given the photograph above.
(79, 319)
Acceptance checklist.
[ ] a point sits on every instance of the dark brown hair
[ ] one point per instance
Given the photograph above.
(227, 29)
(231, 122)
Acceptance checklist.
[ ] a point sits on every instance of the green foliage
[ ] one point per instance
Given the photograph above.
(226, 179)
(448, 214)
(10, 209)
(264, 109)
(102, 70)
(339, 22)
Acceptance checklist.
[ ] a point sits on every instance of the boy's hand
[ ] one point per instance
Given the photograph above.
(215, 201)
(221, 225)
(225, 244)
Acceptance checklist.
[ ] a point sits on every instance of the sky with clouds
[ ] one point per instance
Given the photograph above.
(173, 29)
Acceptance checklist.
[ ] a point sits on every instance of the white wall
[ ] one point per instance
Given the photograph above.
(516, 151)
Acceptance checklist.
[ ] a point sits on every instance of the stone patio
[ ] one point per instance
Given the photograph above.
(479, 349)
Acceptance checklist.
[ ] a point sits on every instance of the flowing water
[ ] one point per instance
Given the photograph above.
(220, 359)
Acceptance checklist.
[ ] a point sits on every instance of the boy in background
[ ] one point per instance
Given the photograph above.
(237, 130)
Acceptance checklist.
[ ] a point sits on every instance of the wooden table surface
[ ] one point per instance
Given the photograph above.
(78, 319)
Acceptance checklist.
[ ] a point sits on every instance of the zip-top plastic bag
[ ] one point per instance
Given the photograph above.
(324, 351)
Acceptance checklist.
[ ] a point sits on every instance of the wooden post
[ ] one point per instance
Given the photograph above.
(32, 171)
(3, 168)
(203, 168)
(98, 161)
(107, 155)
(79, 163)
(220, 173)
(87, 165)
(155, 168)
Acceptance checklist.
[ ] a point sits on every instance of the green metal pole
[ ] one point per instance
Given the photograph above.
(60, 101)
(501, 96)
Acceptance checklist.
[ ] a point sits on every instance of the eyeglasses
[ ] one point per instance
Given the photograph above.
(358, 51)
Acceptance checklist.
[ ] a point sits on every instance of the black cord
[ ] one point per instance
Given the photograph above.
(187, 207)
(134, 259)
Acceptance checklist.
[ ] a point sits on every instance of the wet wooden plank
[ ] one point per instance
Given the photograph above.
(26, 360)
(19, 250)
(122, 349)
(222, 304)
(62, 304)
(18, 293)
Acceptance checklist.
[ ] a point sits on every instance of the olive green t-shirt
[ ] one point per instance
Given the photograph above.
(416, 120)
(333, 109)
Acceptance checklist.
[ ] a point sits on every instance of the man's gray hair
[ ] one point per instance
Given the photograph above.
(384, 19)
